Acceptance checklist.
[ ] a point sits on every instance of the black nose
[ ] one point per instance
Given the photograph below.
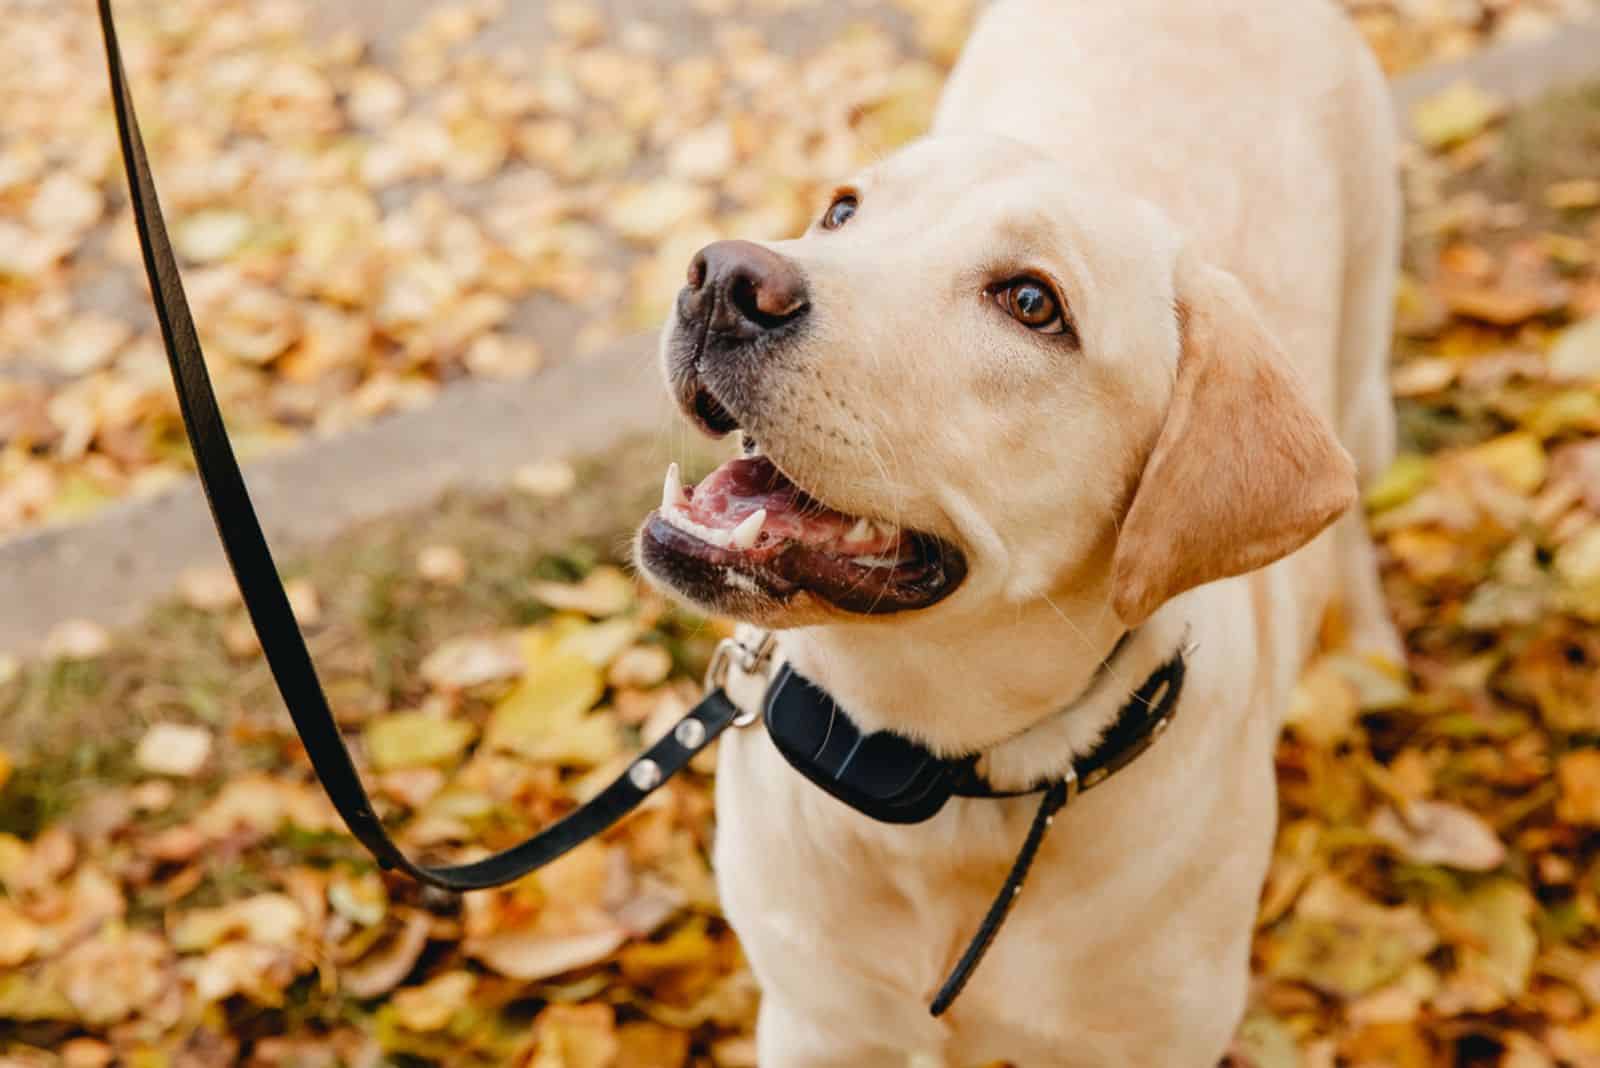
(741, 290)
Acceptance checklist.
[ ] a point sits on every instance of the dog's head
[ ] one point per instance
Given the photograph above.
(980, 376)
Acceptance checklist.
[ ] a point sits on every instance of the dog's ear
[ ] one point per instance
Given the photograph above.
(1244, 471)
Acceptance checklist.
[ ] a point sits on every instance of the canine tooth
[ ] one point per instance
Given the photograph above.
(862, 531)
(746, 533)
(672, 495)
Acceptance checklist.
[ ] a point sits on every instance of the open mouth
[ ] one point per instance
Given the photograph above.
(747, 528)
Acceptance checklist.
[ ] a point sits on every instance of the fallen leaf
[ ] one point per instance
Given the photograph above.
(208, 589)
(1576, 194)
(270, 919)
(415, 739)
(642, 666)
(550, 478)
(173, 749)
(1454, 115)
(1345, 944)
(576, 1036)
(1323, 708)
(463, 663)
(1575, 356)
(386, 967)
(1517, 459)
(1496, 946)
(443, 565)
(644, 1044)
(1578, 774)
(431, 1006)
(605, 591)
(77, 639)
(1437, 832)
(531, 955)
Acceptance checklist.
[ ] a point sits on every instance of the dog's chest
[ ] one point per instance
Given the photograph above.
(858, 923)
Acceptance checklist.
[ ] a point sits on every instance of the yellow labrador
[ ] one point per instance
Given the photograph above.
(1103, 355)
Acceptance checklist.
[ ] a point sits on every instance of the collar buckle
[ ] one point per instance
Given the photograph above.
(750, 653)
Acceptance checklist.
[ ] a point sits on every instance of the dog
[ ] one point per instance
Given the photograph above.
(1087, 377)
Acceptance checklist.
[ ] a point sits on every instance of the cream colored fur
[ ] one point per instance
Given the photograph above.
(1232, 158)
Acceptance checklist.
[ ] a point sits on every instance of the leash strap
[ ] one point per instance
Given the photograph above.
(1144, 719)
(268, 605)
(1055, 799)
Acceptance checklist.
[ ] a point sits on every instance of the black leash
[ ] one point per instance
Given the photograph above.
(264, 598)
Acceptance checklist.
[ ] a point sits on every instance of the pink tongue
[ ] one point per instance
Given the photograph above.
(741, 487)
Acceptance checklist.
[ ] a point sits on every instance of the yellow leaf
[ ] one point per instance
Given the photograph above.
(361, 898)
(1517, 459)
(1453, 115)
(1495, 927)
(19, 936)
(1346, 944)
(576, 1036)
(1576, 194)
(1323, 708)
(645, 1044)
(413, 739)
(1405, 478)
(599, 643)
(605, 591)
(429, 1007)
(548, 705)
(271, 919)
(530, 955)
(1578, 773)
(1427, 554)
(1576, 354)
(1578, 561)
(687, 947)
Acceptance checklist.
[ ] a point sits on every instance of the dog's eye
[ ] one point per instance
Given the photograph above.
(839, 212)
(1031, 303)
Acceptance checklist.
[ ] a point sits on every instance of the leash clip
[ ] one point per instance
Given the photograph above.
(749, 658)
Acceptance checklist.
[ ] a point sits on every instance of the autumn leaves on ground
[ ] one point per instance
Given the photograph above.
(175, 891)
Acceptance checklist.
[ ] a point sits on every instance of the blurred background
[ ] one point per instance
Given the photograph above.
(425, 244)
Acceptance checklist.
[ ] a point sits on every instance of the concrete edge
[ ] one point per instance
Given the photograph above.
(1518, 71)
(112, 566)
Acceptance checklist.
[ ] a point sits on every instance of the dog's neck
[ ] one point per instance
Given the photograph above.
(1030, 695)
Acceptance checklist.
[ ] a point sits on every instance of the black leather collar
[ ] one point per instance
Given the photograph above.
(895, 780)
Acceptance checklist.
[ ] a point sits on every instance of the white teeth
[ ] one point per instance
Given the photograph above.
(862, 531)
(746, 533)
(744, 536)
(672, 495)
(679, 518)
